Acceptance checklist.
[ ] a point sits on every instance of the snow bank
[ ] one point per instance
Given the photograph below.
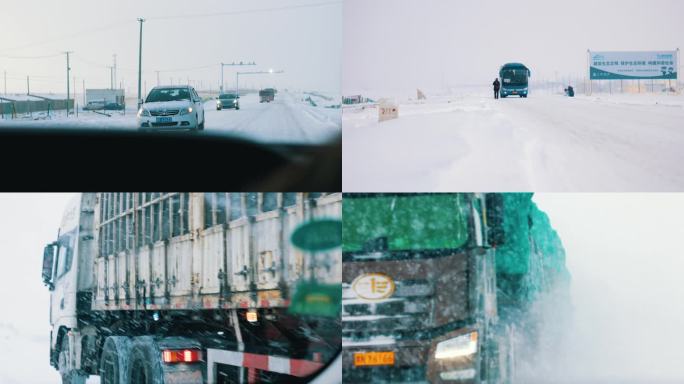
(468, 141)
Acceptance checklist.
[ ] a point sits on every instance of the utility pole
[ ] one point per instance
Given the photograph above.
(141, 20)
(28, 89)
(233, 64)
(114, 71)
(67, 80)
(111, 77)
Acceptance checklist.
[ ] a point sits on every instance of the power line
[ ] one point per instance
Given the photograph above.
(100, 65)
(81, 33)
(213, 14)
(89, 62)
(188, 69)
(30, 57)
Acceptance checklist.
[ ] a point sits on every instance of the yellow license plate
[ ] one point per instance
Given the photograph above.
(373, 358)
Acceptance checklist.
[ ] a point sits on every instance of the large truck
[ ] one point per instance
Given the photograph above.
(439, 288)
(267, 95)
(178, 287)
(514, 79)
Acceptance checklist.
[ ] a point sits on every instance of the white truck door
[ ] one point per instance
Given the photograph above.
(63, 300)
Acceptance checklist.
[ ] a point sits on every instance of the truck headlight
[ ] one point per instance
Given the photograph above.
(185, 111)
(463, 345)
(143, 112)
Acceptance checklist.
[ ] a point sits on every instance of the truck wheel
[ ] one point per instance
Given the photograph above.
(114, 360)
(68, 376)
(145, 362)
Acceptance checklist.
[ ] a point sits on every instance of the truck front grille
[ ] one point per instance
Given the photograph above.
(409, 308)
(385, 375)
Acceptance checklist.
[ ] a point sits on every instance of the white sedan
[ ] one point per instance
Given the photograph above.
(171, 107)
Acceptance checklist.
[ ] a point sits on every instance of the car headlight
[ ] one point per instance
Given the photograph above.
(185, 111)
(143, 112)
(463, 345)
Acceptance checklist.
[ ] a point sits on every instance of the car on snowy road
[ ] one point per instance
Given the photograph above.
(228, 100)
(171, 107)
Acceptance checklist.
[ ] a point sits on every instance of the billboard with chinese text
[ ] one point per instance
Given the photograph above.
(633, 65)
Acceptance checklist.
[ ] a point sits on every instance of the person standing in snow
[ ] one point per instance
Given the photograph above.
(496, 85)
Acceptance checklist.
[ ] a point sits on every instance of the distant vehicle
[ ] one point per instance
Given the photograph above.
(172, 107)
(94, 105)
(114, 107)
(514, 79)
(103, 105)
(267, 95)
(228, 100)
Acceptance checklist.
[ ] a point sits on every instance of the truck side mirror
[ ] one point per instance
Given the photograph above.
(48, 262)
(495, 219)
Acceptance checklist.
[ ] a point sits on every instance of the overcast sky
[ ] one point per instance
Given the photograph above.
(625, 255)
(301, 37)
(401, 45)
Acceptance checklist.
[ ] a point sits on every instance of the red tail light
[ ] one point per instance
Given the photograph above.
(181, 356)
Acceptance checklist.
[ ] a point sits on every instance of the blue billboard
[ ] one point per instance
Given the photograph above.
(633, 65)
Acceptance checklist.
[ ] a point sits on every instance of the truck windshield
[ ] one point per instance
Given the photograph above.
(168, 94)
(389, 223)
(517, 76)
(65, 253)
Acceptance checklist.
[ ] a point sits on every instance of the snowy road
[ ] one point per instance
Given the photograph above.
(288, 119)
(546, 142)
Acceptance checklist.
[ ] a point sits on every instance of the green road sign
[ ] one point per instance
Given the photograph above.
(313, 299)
(318, 235)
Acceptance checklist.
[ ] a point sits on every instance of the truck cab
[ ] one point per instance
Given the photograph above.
(69, 290)
(419, 290)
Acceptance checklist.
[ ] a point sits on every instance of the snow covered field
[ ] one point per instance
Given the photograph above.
(290, 118)
(467, 141)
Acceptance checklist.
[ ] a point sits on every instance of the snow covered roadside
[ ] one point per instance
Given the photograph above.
(31, 221)
(470, 141)
(289, 119)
